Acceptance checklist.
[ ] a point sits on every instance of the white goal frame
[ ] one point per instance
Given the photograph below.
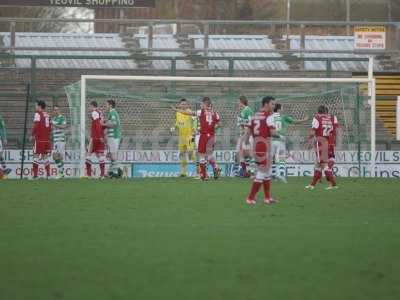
(368, 80)
(398, 118)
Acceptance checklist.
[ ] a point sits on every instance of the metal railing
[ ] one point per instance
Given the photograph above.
(230, 71)
(173, 59)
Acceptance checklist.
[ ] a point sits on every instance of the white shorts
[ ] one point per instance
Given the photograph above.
(241, 144)
(59, 147)
(279, 150)
(113, 145)
(263, 172)
(196, 140)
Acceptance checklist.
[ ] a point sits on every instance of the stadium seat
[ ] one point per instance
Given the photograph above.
(387, 90)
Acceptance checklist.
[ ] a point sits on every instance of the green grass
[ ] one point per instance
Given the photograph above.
(183, 239)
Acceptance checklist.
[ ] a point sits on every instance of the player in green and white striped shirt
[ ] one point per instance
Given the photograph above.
(242, 148)
(282, 123)
(113, 125)
(59, 125)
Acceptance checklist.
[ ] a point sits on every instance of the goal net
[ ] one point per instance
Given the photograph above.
(144, 105)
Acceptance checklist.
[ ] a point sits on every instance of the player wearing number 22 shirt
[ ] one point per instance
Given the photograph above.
(323, 133)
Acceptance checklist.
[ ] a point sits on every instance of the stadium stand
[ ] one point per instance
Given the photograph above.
(329, 43)
(137, 43)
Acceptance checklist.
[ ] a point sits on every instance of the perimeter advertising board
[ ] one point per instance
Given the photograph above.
(158, 163)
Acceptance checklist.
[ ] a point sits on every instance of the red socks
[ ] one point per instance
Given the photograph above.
(203, 170)
(254, 189)
(102, 169)
(35, 168)
(47, 168)
(331, 163)
(267, 189)
(88, 168)
(330, 177)
(328, 174)
(317, 177)
(213, 163)
(244, 166)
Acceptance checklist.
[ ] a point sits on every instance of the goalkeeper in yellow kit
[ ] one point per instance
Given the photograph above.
(185, 126)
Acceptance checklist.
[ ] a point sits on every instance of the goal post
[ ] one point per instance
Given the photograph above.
(338, 90)
(398, 118)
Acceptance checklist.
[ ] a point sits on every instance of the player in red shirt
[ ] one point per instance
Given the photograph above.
(208, 122)
(323, 135)
(262, 128)
(41, 135)
(96, 142)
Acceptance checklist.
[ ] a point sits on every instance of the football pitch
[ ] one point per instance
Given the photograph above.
(184, 239)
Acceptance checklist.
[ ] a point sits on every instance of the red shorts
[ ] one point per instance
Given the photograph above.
(206, 143)
(42, 147)
(97, 146)
(262, 152)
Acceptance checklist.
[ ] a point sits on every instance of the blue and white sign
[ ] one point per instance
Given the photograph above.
(152, 170)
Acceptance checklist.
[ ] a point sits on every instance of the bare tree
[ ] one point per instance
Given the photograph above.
(46, 12)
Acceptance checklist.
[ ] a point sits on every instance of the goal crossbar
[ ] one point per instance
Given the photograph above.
(366, 80)
(227, 79)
